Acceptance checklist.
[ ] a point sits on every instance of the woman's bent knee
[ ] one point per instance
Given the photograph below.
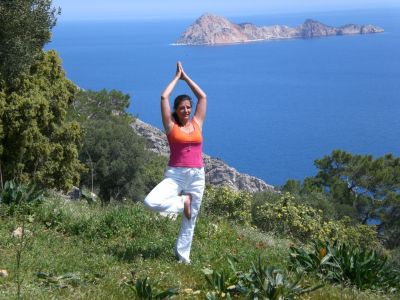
(149, 202)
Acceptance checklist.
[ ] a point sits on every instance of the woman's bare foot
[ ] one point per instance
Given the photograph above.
(186, 206)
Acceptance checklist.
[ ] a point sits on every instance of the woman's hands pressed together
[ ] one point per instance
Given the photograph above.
(178, 73)
(182, 73)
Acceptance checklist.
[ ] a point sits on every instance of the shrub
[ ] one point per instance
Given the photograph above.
(358, 235)
(319, 202)
(285, 216)
(227, 203)
(153, 172)
(116, 157)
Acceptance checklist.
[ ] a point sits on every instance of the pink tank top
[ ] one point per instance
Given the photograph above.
(185, 148)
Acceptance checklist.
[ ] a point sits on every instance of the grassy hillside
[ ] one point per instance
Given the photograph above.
(78, 251)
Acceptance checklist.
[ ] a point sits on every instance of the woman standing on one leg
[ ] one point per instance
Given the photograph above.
(183, 186)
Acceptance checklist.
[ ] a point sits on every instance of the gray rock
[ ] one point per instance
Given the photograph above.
(211, 29)
(75, 193)
(217, 172)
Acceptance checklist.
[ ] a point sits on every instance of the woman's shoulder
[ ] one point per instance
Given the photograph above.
(196, 122)
(172, 125)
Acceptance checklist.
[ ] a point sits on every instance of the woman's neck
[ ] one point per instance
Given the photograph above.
(185, 123)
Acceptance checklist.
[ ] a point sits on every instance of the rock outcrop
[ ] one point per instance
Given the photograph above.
(211, 29)
(217, 172)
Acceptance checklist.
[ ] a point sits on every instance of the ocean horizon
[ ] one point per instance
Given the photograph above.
(273, 107)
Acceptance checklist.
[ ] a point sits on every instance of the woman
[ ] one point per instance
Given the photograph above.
(183, 186)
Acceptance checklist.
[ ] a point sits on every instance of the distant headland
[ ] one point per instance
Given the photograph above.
(211, 29)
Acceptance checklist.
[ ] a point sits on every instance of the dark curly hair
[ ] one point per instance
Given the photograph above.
(178, 100)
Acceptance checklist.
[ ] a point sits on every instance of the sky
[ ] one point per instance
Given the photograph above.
(179, 9)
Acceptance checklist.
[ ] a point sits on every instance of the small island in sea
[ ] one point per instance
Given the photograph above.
(211, 29)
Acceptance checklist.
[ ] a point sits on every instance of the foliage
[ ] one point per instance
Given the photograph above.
(285, 216)
(19, 198)
(358, 235)
(357, 186)
(14, 193)
(24, 29)
(66, 280)
(260, 282)
(394, 257)
(77, 239)
(221, 285)
(38, 144)
(89, 105)
(266, 196)
(366, 269)
(314, 198)
(153, 171)
(119, 165)
(270, 283)
(371, 185)
(390, 218)
(315, 261)
(227, 203)
(117, 157)
(144, 289)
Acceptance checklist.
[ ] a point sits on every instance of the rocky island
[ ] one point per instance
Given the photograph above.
(211, 29)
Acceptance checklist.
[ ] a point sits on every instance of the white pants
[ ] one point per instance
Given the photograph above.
(167, 198)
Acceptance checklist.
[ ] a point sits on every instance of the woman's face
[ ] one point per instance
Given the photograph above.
(183, 111)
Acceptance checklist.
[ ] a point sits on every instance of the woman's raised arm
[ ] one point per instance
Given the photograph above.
(201, 106)
(165, 108)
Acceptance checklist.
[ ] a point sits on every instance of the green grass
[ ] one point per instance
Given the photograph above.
(102, 246)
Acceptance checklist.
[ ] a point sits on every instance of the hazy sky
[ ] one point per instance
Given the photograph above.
(177, 9)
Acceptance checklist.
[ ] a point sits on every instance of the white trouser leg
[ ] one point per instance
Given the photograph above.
(164, 198)
(195, 187)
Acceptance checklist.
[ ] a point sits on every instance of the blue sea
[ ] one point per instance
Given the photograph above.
(273, 107)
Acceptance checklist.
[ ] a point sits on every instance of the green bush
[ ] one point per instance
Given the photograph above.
(359, 235)
(153, 172)
(319, 202)
(314, 198)
(262, 197)
(394, 257)
(115, 157)
(227, 203)
(285, 216)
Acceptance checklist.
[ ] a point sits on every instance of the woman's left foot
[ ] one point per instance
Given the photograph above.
(186, 206)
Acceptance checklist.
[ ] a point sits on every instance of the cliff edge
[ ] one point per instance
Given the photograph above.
(217, 172)
(211, 29)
